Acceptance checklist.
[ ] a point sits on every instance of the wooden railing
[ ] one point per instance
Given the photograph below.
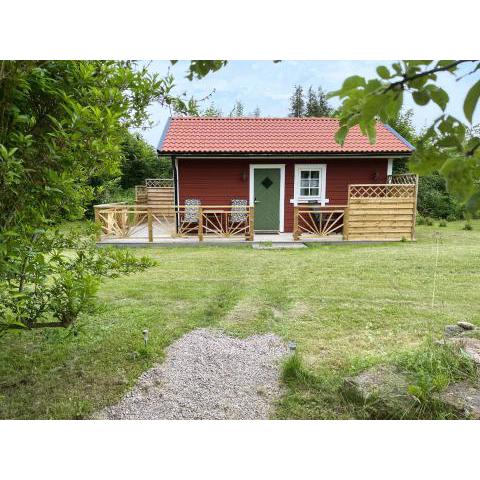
(145, 222)
(159, 182)
(405, 178)
(317, 221)
(375, 190)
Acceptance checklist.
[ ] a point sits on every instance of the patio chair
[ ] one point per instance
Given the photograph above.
(192, 210)
(239, 211)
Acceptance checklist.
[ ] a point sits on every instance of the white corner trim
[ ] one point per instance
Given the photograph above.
(323, 183)
(281, 167)
(177, 178)
(390, 166)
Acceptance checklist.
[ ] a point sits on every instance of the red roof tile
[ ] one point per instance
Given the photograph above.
(272, 135)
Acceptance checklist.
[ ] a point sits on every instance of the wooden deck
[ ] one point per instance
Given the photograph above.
(374, 212)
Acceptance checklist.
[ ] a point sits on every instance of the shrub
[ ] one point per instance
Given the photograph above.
(468, 226)
(51, 290)
(434, 200)
(442, 223)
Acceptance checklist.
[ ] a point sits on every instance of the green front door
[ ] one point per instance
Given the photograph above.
(266, 184)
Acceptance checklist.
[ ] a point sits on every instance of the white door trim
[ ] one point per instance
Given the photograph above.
(281, 167)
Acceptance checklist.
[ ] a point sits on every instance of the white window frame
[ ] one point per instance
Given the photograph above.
(322, 167)
(281, 167)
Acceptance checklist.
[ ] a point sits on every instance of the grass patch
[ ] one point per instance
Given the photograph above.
(347, 307)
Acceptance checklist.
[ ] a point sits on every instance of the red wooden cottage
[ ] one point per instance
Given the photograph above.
(275, 164)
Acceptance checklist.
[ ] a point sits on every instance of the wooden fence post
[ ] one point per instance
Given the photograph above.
(98, 224)
(345, 223)
(296, 233)
(200, 224)
(150, 225)
(251, 223)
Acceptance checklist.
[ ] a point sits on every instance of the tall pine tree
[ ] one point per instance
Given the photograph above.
(297, 103)
(311, 109)
(324, 109)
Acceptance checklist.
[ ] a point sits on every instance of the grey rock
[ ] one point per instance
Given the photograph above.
(466, 325)
(208, 375)
(382, 384)
(452, 330)
(462, 397)
(471, 346)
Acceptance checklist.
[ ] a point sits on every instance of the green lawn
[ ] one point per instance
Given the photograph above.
(347, 306)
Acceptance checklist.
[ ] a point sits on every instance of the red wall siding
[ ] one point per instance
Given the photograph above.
(217, 181)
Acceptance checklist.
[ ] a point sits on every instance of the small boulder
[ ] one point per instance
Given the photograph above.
(471, 346)
(382, 385)
(452, 331)
(466, 325)
(462, 397)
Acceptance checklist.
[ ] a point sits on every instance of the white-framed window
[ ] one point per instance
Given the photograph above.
(310, 182)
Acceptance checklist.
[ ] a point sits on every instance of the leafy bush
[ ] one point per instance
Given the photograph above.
(442, 223)
(468, 226)
(434, 200)
(421, 220)
(54, 278)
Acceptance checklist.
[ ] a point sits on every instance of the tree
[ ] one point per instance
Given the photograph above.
(297, 102)
(448, 145)
(61, 123)
(212, 111)
(257, 112)
(311, 109)
(238, 109)
(140, 161)
(324, 109)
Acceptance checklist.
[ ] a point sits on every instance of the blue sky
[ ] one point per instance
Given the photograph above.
(269, 85)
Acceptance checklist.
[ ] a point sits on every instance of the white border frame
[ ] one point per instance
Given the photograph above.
(390, 166)
(281, 167)
(296, 182)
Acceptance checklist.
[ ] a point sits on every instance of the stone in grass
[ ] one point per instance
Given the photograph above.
(471, 346)
(452, 330)
(466, 325)
(382, 385)
(462, 397)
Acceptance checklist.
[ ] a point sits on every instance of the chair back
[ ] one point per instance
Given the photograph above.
(239, 211)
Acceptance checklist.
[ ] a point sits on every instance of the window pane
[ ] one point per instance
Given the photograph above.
(304, 183)
(314, 174)
(304, 192)
(314, 192)
(314, 183)
(305, 174)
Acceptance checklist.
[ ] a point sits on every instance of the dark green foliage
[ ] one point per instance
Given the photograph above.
(468, 226)
(315, 104)
(297, 103)
(140, 161)
(434, 200)
(442, 223)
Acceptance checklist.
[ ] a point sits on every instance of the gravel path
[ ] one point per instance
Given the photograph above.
(208, 375)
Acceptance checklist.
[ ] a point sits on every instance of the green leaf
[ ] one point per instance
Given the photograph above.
(372, 106)
(353, 82)
(439, 96)
(341, 134)
(383, 72)
(471, 101)
(421, 97)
